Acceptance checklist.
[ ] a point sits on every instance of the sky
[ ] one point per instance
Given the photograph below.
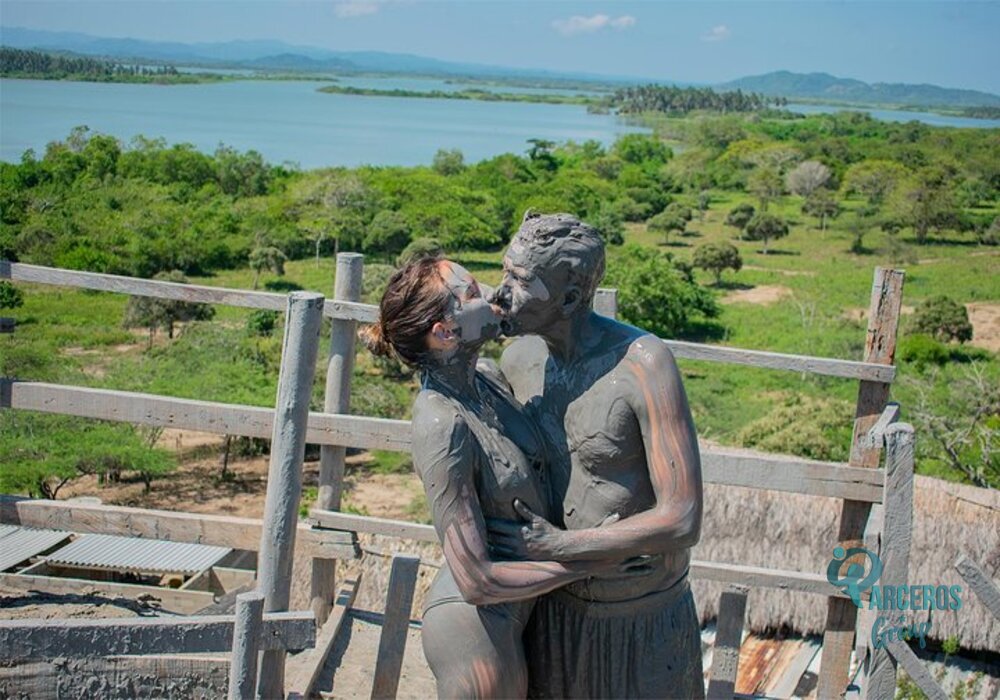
(954, 43)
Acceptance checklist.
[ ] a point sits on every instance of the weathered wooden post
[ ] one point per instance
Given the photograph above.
(880, 348)
(303, 321)
(395, 625)
(246, 644)
(606, 302)
(897, 536)
(340, 366)
(728, 638)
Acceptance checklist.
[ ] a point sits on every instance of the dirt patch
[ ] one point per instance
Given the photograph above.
(384, 495)
(186, 440)
(786, 273)
(16, 604)
(764, 294)
(985, 318)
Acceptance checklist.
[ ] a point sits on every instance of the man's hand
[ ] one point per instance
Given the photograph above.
(533, 538)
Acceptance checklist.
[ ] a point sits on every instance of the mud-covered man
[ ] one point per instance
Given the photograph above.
(609, 398)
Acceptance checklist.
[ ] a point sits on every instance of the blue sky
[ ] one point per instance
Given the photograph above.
(949, 42)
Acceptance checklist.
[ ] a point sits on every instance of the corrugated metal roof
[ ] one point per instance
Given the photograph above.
(18, 544)
(133, 554)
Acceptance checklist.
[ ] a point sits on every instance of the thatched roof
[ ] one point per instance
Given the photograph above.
(790, 531)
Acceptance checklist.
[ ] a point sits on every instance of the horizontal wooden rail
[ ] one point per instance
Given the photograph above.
(196, 528)
(74, 638)
(735, 574)
(367, 313)
(720, 465)
(205, 416)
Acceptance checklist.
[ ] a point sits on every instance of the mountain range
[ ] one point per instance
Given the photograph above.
(277, 55)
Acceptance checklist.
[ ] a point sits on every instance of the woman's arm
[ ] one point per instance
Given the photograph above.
(444, 456)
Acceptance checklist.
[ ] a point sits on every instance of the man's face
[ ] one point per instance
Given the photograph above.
(530, 294)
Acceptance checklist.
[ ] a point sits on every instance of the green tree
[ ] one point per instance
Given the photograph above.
(766, 184)
(153, 313)
(667, 223)
(807, 177)
(10, 296)
(388, 233)
(926, 202)
(610, 224)
(420, 248)
(821, 204)
(943, 318)
(448, 161)
(740, 215)
(766, 227)
(642, 149)
(717, 257)
(266, 257)
(657, 293)
(874, 179)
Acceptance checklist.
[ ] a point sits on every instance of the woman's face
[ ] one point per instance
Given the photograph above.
(470, 319)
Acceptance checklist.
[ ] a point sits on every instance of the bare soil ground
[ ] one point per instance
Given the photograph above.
(762, 294)
(985, 317)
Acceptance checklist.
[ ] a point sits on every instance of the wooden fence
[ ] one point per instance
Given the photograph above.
(860, 484)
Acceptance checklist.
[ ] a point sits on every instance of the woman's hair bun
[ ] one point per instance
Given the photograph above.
(373, 336)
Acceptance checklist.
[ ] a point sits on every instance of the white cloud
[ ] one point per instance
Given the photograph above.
(719, 32)
(355, 8)
(578, 24)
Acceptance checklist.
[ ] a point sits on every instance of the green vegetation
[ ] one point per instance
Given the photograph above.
(467, 94)
(38, 65)
(916, 196)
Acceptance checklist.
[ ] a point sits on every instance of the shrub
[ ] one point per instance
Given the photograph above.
(922, 350)
(282, 286)
(740, 215)
(943, 318)
(10, 296)
(657, 293)
(716, 257)
(420, 248)
(766, 227)
(262, 322)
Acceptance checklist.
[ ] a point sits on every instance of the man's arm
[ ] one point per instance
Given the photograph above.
(656, 395)
(443, 454)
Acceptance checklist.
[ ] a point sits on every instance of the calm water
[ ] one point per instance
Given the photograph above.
(289, 121)
(894, 115)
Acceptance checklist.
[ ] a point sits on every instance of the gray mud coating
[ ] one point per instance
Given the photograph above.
(476, 452)
(610, 402)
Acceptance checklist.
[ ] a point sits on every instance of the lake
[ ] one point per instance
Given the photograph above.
(289, 121)
(899, 115)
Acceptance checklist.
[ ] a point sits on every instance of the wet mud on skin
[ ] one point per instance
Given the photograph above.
(620, 437)
(476, 453)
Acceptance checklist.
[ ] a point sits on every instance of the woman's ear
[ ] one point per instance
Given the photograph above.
(440, 336)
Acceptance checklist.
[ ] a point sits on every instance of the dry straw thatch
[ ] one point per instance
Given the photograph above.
(791, 531)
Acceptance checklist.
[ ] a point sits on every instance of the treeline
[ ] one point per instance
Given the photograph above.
(467, 94)
(21, 63)
(670, 99)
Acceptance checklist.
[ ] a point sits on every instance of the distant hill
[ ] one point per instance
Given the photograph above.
(823, 86)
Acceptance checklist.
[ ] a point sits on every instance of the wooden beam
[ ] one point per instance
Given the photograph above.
(246, 645)
(876, 436)
(303, 671)
(979, 583)
(845, 369)
(606, 302)
(76, 638)
(395, 626)
(916, 670)
(336, 399)
(873, 395)
(170, 599)
(299, 350)
(205, 416)
(728, 637)
(374, 526)
(368, 313)
(196, 528)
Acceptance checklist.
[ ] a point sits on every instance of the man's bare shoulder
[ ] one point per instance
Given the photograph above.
(523, 365)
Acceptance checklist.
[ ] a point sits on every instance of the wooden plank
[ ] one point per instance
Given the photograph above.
(246, 645)
(76, 638)
(915, 668)
(876, 435)
(118, 676)
(846, 369)
(196, 528)
(336, 399)
(374, 526)
(170, 599)
(368, 313)
(299, 349)
(728, 636)
(606, 302)
(205, 416)
(758, 470)
(873, 395)
(789, 680)
(303, 670)
(979, 583)
(395, 623)
(897, 536)
(758, 577)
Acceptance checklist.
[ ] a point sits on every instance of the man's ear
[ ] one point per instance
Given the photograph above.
(571, 300)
